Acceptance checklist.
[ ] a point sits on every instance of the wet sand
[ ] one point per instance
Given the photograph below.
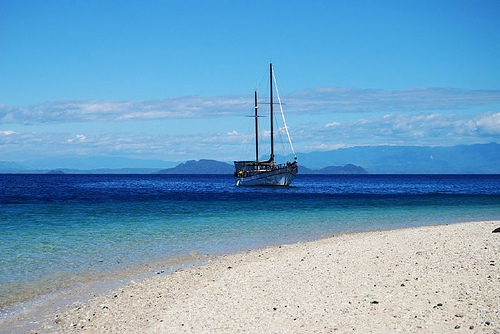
(435, 279)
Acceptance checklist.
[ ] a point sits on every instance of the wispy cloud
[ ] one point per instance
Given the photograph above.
(7, 132)
(403, 129)
(388, 129)
(166, 147)
(88, 111)
(317, 100)
(77, 139)
(341, 99)
(332, 125)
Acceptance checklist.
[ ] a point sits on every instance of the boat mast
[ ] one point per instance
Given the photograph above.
(256, 130)
(271, 104)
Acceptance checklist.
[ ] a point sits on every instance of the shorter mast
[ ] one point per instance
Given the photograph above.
(256, 131)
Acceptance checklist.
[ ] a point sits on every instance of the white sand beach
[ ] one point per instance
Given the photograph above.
(437, 279)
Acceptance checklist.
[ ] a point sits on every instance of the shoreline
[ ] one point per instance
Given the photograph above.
(92, 284)
(26, 315)
(259, 290)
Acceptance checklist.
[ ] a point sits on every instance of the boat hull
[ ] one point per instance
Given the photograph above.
(278, 177)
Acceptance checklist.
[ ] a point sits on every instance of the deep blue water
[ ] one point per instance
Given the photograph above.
(58, 229)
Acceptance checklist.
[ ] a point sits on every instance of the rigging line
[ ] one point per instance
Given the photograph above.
(283, 115)
(280, 139)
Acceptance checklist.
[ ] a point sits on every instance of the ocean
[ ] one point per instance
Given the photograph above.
(61, 230)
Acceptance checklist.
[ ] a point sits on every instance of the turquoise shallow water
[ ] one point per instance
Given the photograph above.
(60, 229)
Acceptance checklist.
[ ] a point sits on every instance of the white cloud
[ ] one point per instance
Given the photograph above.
(489, 123)
(77, 139)
(7, 132)
(433, 129)
(332, 125)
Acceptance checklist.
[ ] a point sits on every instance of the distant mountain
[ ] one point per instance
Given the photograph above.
(55, 171)
(461, 159)
(347, 169)
(202, 166)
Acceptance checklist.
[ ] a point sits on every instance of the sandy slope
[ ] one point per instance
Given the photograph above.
(438, 279)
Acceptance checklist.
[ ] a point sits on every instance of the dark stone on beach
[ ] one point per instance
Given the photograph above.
(274, 308)
(487, 323)
(457, 326)
(439, 304)
(497, 230)
(229, 267)
(471, 327)
(402, 284)
(374, 302)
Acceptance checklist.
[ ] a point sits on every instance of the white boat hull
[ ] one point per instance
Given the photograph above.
(277, 177)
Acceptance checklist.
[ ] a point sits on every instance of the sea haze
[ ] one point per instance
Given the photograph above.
(58, 230)
(460, 159)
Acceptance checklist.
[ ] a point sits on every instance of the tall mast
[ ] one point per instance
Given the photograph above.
(271, 104)
(256, 130)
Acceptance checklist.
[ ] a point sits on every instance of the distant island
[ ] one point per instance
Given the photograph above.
(205, 166)
(55, 171)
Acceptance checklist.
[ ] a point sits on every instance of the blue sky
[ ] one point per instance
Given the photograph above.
(174, 80)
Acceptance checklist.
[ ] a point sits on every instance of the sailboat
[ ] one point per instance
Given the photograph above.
(267, 172)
